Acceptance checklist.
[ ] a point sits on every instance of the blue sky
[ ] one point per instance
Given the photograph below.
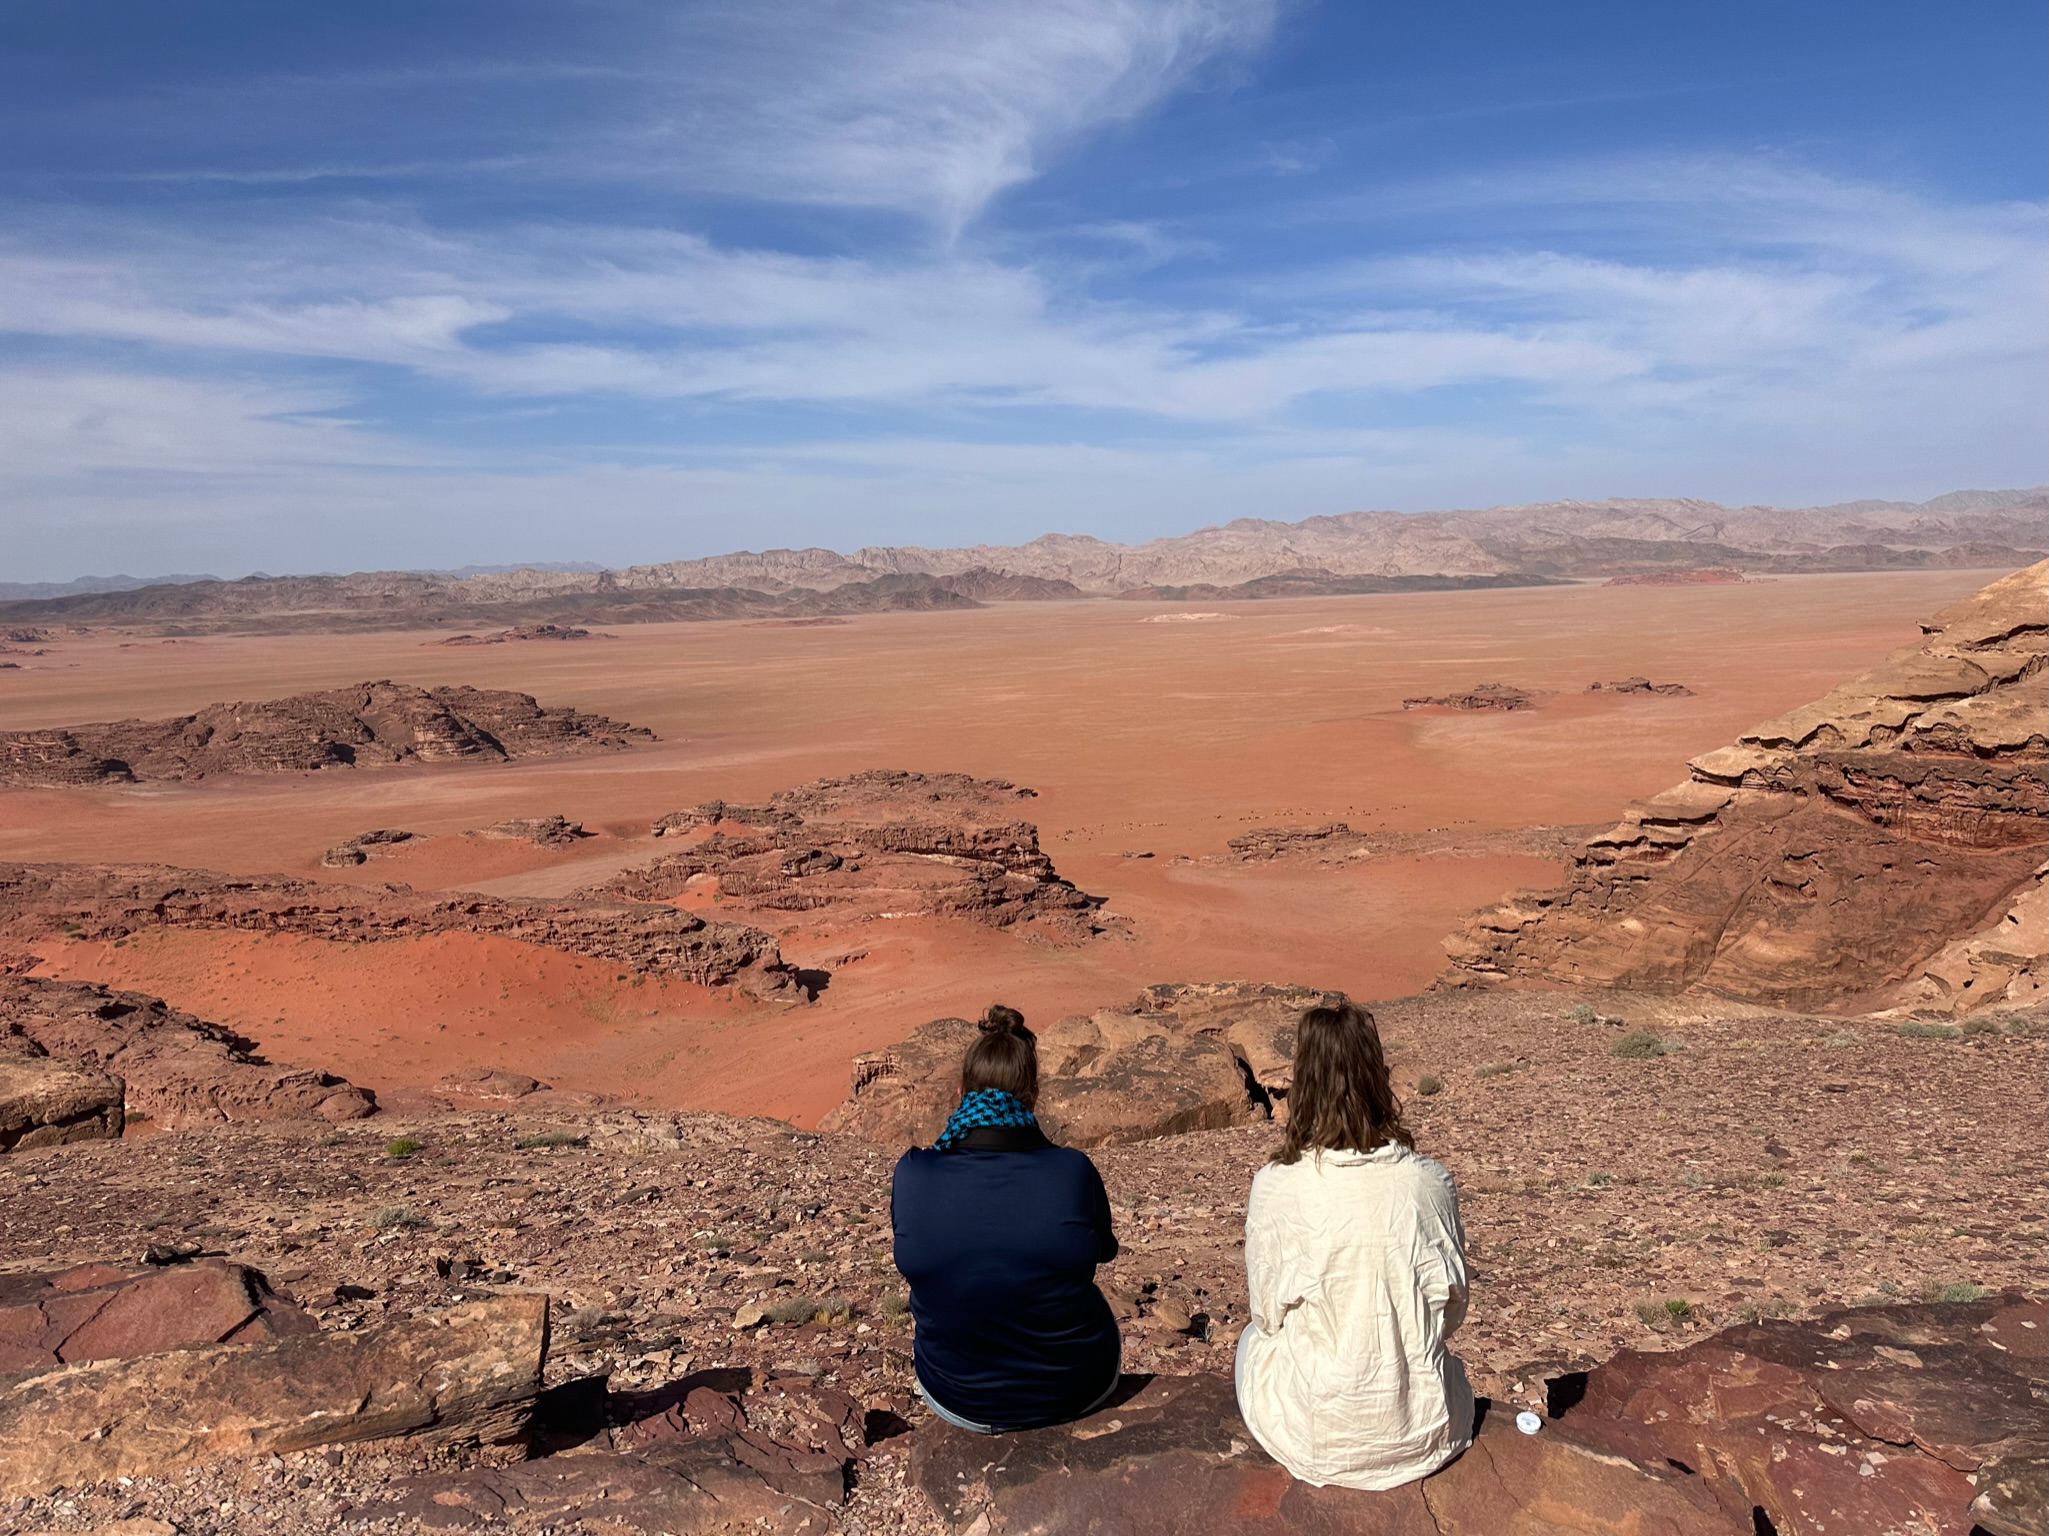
(338, 286)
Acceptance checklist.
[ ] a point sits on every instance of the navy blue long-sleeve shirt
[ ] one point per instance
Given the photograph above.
(1000, 1239)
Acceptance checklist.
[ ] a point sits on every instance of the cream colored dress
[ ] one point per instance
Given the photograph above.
(1357, 1272)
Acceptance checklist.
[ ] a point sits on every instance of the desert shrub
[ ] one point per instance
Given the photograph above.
(1582, 1014)
(1427, 1085)
(814, 1256)
(1599, 1180)
(134, 1117)
(1639, 1045)
(893, 1304)
(1499, 1068)
(717, 1247)
(1956, 1290)
(551, 1139)
(1927, 1029)
(834, 1309)
(791, 1309)
(401, 1146)
(1769, 1180)
(1663, 1316)
(396, 1218)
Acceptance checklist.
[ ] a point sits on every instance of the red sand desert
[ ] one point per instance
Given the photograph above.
(1144, 729)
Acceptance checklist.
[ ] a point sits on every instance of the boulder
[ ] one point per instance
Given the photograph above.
(1170, 1455)
(114, 1312)
(45, 1103)
(1881, 846)
(470, 1373)
(1921, 1418)
(1181, 1057)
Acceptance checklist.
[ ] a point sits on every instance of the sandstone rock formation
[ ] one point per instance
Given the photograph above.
(1335, 842)
(1479, 696)
(541, 831)
(1867, 1419)
(1642, 685)
(471, 1372)
(116, 1312)
(45, 1103)
(179, 1070)
(370, 725)
(1181, 1057)
(875, 844)
(1833, 856)
(1173, 1456)
(97, 901)
(1711, 576)
(365, 846)
(521, 632)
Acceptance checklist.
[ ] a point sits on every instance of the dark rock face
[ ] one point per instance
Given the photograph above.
(178, 1069)
(371, 725)
(93, 901)
(885, 841)
(113, 1312)
(470, 1373)
(1173, 1456)
(1880, 846)
(1181, 1057)
(45, 1103)
(1868, 1419)
(714, 1452)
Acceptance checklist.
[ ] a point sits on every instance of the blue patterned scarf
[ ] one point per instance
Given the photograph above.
(985, 1106)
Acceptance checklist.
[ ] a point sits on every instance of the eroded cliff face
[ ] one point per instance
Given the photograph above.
(1882, 846)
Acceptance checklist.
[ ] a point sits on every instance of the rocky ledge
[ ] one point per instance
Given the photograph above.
(370, 725)
(881, 844)
(1879, 847)
(100, 901)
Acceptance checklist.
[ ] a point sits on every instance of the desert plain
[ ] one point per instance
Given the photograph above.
(1152, 735)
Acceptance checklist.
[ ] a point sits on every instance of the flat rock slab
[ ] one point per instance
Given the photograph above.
(1869, 1419)
(470, 1373)
(115, 1312)
(1171, 1455)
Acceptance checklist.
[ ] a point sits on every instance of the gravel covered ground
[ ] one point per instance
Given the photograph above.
(1766, 1164)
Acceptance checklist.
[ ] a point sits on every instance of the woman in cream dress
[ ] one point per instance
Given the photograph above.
(1356, 1267)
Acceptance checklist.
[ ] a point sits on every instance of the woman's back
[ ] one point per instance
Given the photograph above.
(1356, 1266)
(999, 1238)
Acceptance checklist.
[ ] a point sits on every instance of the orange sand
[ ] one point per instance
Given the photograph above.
(1168, 737)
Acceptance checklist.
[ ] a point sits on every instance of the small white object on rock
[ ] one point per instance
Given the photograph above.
(1528, 1422)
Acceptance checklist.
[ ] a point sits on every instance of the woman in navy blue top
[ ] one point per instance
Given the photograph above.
(999, 1233)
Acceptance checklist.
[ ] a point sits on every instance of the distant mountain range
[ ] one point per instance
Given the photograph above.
(1247, 559)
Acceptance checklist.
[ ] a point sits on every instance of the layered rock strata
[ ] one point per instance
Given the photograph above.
(1883, 844)
(117, 1312)
(178, 1069)
(471, 1372)
(97, 901)
(371, 725)
(884, 843)
(1180, 1057)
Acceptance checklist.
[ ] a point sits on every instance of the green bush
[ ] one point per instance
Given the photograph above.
(1925, 1029)
(1582, 1014)
(396, 1217)
(1427, 1085)
(1639, 1045)
(401, 1146)
(551, 1139)
(791, 1309)
(1956, 1290)
(894, 1304)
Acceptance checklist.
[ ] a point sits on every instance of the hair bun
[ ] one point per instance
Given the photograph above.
(1000, 1020)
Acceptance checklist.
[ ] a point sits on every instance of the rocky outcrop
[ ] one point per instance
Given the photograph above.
(1870, 1419)
(371, 725)
(1832, 856)
(1637, 685)
(471, 1373)
(98, 901)
(522, 632)
(881, 844)
(1181, 1057)
(365, 846)
(1171, 1455)
(116, 1312)
(1479, 696)
(1338, 842)
(541, 831)
(718, 1451)
(179, 1070)
(45, 1103)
